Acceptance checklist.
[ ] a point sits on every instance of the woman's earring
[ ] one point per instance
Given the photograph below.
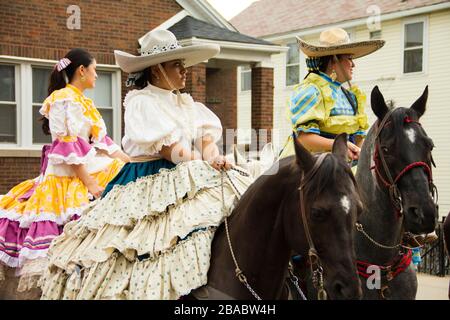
(333, 75)
(83, 79)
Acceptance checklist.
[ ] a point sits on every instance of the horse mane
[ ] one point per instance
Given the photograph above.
(328, 176)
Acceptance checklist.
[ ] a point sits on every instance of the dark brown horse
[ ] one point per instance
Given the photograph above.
(447, 241)
(266, 228)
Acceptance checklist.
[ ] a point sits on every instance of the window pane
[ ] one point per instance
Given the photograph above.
(292, 75)
(8, 124)
(101, 94)
(38, 134)
(375, 35)
(413, 61)
(107, 115)
(41, 77)
(246, 81)
(414, 34)
(7, 83)
(292, 54)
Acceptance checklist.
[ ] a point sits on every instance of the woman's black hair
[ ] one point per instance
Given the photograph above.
(323, 65)
(146, 77)
(143, 80)
(77, 57)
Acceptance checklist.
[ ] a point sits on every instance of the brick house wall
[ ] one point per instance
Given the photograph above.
(216, 88)
(15, 170)
(196, 82)
(37, 29)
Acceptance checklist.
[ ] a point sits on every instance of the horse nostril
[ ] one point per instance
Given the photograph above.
(339, 288)
(415, 212)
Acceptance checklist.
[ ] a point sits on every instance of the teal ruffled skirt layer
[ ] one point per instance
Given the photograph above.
(134, 170)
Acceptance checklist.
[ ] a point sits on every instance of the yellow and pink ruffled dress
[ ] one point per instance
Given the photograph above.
(34, 212)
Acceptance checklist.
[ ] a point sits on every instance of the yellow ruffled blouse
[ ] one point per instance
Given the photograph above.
(319, 105)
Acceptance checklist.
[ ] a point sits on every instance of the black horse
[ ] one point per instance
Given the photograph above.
(266, 227)
(395, 179)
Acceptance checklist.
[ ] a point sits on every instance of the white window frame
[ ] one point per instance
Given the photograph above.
(298, 64)
(424, 71)
(17, 102)
(241, 73)
(24, 100)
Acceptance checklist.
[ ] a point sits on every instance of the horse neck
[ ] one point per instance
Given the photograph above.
(379, 218)
(256, 230)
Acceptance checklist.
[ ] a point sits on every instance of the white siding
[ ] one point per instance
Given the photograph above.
(244, 113)
(384, 68)
(404, 89)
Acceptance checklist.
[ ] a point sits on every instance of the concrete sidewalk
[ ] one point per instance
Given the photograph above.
(432, 287)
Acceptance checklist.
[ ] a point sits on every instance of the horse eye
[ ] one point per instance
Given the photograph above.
(385, 149)
(318, 214)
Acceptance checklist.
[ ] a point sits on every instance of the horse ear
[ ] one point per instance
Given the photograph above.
(304, 158)
(420, 105)
(378, 103)
(340, 148)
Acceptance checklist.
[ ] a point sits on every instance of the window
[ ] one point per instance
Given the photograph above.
(41, 76)
(413, 54)
(102, 97)
(375, 35)
(292, 65)
(23, 88)
(246, 78)
(8, 104)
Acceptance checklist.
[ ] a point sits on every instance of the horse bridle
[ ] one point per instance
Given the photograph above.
(391, 183)
(313, 256)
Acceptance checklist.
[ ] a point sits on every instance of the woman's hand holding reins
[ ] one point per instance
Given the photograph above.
(353, 151)
(220, 162)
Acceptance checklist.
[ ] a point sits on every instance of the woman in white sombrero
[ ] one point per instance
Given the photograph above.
(320, 107)
(149, 236)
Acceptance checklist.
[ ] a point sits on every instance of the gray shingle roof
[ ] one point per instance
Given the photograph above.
(190, 27)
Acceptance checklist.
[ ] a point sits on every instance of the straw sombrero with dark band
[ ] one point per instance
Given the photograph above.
(337, 41)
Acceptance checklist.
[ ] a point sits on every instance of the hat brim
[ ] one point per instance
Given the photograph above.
(191, 55)
(356, 49)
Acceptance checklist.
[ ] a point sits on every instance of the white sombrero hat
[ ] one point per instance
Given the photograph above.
(160, 46)
(337, 41)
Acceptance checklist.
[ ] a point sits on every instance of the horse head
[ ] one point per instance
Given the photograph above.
(329, 207)
(402, 162)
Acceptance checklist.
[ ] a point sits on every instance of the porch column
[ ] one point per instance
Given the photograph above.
(262, 105)
(221, 98)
